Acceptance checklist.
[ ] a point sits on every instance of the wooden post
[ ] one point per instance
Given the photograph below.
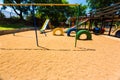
(111, 24)
(90, 21)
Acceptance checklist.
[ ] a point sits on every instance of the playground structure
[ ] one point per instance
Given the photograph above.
(42, 30)
(86, 32)
(106, 16)
(80, 29)
(44, 27)
(76, 29)
(117, 30)
(98, 19)
(61, 32)
(97, 30)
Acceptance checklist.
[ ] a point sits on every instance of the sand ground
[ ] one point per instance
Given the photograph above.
(56, 58)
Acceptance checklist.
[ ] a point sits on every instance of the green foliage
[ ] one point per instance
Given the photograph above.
(64, 1)
(94, 4)
(59, 14)
(83, 9)
(54, 13)
(2, 15)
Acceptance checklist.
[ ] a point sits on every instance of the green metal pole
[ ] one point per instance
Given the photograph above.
(78, 14)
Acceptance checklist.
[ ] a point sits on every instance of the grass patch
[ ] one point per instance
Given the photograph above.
(3, 28)
(12, 26)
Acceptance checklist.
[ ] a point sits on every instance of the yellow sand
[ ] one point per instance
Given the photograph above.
(56, 58)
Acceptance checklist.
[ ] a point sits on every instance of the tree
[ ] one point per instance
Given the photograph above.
(83, 9)
(59, 13)
(95, 4)
(55, 13)
(19, 10)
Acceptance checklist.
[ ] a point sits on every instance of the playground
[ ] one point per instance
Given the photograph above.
(56, 58)
(88, 50)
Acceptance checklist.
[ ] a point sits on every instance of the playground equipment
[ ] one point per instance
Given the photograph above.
(66, 30)
(117, 34)
(74, 28)
(109, 14)
(42, 30)
(68, 21)
(61, 32)
(71, 30)
(98, 30)
(80, 32)
(116, 28)
(117, 31)
(86, 32)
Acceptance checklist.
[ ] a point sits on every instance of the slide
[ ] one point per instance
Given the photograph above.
(83, 22)
(44, 26)
(74, 27)
(116, 28)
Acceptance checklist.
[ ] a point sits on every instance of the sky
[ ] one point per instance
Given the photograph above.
(1, 1)
(77, 1)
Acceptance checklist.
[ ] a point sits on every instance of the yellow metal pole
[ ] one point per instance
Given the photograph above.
(38, 4)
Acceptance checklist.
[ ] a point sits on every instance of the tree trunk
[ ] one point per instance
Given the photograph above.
(21, 16)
